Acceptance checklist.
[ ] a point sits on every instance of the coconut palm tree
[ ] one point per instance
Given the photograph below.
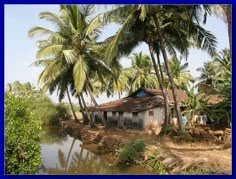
(216, 80)
(181, 75)
(224, 11)
(208, 74)
(180, 21)
(142, 74)
(69, 48)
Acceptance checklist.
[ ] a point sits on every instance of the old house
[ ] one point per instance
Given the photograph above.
(139, 109)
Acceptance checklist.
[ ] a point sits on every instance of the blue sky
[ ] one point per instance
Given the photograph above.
(20, 50)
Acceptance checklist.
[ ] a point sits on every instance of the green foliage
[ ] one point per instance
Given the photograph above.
(22, 137)
(47, 111)
(217, 82)
(131, 152)
(153, 163)
(39, 103)
(181, 75)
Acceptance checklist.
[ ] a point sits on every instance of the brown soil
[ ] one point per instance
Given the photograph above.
(197, 156)
(178, 156)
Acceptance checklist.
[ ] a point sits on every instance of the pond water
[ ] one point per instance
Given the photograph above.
(62, 154)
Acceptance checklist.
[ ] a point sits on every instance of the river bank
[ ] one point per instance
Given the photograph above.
(178, 155)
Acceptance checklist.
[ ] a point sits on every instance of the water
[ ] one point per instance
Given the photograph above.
(62, 154)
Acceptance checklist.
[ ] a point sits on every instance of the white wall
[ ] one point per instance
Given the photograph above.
(158, 116)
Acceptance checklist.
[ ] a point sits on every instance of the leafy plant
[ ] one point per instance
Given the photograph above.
(47, 111)
(22, 137)
(154, 164)
(131, 152)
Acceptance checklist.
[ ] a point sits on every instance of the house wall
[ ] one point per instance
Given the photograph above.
(131, 120)
(157, 117)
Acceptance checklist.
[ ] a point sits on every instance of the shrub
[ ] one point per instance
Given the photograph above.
(22, 137)
(131, 152)
(47, 111)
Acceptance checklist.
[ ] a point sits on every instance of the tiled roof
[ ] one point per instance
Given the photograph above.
(132, 103)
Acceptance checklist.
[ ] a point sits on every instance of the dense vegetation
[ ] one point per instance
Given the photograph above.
(22, 137)
(26, 110)
(48, 112)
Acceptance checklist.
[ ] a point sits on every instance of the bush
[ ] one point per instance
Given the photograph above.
(22, 137)
(131, 152)
(47, 111)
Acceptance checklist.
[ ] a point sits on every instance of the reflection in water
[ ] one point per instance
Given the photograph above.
(67, 156)
(53, 135)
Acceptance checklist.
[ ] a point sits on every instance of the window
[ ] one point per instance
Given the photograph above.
(135, 114)
(150, 113)
(121, 113)
(113, 114)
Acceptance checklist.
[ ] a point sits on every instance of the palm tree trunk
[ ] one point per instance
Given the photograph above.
(92, 125)
(229, 21)
(119, 95)
(95, 104)
(80, 155)
(161, 86)
(68, 156)
(72, 108)
(166, 98)
(169, 73)
(82, 110)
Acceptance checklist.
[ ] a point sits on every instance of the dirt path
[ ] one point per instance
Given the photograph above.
(197, 156)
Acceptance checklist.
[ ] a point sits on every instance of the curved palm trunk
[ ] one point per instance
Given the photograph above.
(82, 110)
(164, 92)
(166, 106)
(169, 73)
(87, 113)
(95, 104)
(80, 155)
(68, 156)
(72, 108)
(229, 20)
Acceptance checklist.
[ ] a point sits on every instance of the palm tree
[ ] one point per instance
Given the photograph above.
(216, 80)
(69, 48)
(208, 75)
(179, 21)
(142, 74)
(224, 11)
(118, 83)
(181, 76)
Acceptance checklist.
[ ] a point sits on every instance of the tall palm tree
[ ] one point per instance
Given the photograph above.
(180, 22)
(142, 74)
(69, 48)
(181, 75)
(224, 11)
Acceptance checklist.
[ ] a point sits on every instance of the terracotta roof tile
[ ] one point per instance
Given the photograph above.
(136, 104)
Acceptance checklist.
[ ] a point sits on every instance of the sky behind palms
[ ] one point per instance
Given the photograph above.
(20, 50)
